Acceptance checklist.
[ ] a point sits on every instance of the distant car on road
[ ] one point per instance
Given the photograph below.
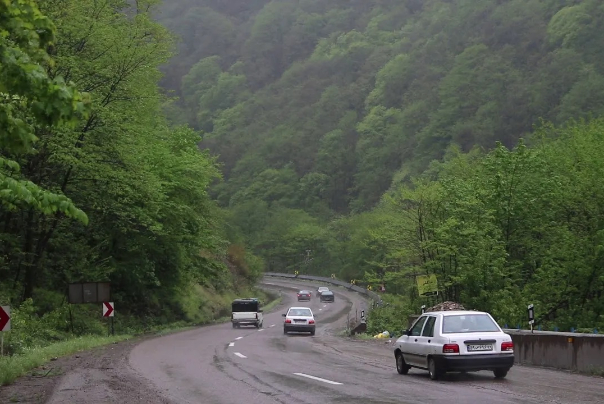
(299, 319)
(303, 295)
(322, 289)
(327, 296)
(445, 341)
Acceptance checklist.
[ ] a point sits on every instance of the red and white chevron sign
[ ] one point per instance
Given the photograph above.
(108, 309)
(4, 318)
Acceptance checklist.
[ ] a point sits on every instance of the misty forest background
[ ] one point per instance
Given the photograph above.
(460, 138)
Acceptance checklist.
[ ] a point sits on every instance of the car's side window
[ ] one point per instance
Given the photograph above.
(429, 328)
(417, 328)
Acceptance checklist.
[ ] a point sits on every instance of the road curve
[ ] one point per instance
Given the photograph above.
(222, 365)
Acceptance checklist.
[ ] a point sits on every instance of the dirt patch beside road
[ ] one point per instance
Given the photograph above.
(99, 375)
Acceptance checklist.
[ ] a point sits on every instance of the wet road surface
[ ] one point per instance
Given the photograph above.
(223, 365)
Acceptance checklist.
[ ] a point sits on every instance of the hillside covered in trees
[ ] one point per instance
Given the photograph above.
(95, 185)
(385, 137)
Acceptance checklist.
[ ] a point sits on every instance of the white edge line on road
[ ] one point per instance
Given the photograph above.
(320, 309)
(317, 378)
(262, 329)
(232, 344)
(272, 325)
(238, 337)
(240, 355)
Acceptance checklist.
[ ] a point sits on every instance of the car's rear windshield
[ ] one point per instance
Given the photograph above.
(468, 323)
(239, 307)
(304, 292)
(327, 293)
(300, 312)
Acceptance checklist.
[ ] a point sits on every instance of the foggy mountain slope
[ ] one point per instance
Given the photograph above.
(342, 95)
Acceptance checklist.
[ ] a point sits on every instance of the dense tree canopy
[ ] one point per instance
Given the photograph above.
(95, 185)
(328, 117)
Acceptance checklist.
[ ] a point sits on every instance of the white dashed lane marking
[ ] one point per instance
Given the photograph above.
(240, 355)
(238, 337)
(232, 344)
(272, 325)
(317, 378)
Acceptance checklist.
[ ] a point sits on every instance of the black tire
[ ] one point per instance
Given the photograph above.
(433, 370)
(284, 331)
(234, 326)
(401, 366)
(500, 373)
(312, 332)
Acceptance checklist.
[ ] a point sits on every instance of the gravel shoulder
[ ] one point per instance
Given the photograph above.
(99, 375)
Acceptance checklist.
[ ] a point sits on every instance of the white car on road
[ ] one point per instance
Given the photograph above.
(300, 319)
(444, 341)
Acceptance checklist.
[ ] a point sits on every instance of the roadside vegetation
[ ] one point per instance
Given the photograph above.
(458, 138)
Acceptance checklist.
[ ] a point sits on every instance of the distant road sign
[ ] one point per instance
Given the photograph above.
(108, 309)
(89, 292)
(427, 285)
(4, 318)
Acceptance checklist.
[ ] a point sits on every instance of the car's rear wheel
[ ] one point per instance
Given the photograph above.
(284, 331)
(435, 372)
(500, 373)
(312, 332)
(401, 366)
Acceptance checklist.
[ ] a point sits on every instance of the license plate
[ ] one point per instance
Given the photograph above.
(476, 347)
(299, 321)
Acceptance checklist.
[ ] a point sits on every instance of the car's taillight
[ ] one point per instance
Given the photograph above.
(507, 346)
(311, 321)
(450, 348)
(298, 294)
(287, 320)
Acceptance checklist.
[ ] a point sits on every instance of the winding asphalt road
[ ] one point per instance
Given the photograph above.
(223, 365)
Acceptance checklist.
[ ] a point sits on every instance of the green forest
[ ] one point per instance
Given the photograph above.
(180, 149)
(96, 184)
(459, 138)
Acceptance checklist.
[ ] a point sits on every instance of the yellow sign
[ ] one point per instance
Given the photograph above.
(333, 276)
(427, 285)
(353, 282)
(296, 273)
(368, 287)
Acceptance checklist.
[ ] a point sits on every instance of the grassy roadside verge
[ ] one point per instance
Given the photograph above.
(13, 367)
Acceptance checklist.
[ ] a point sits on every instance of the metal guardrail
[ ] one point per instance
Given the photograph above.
(374, 296)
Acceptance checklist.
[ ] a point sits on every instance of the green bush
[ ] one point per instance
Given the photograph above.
(392, 316)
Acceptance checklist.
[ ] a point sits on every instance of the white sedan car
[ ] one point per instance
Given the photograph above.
(444, 341)
(299, 319)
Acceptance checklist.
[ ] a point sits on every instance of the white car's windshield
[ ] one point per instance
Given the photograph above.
(300, 312)
(468, 323)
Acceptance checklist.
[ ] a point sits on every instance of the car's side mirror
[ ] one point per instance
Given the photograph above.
(407, 332)
(283, 314)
